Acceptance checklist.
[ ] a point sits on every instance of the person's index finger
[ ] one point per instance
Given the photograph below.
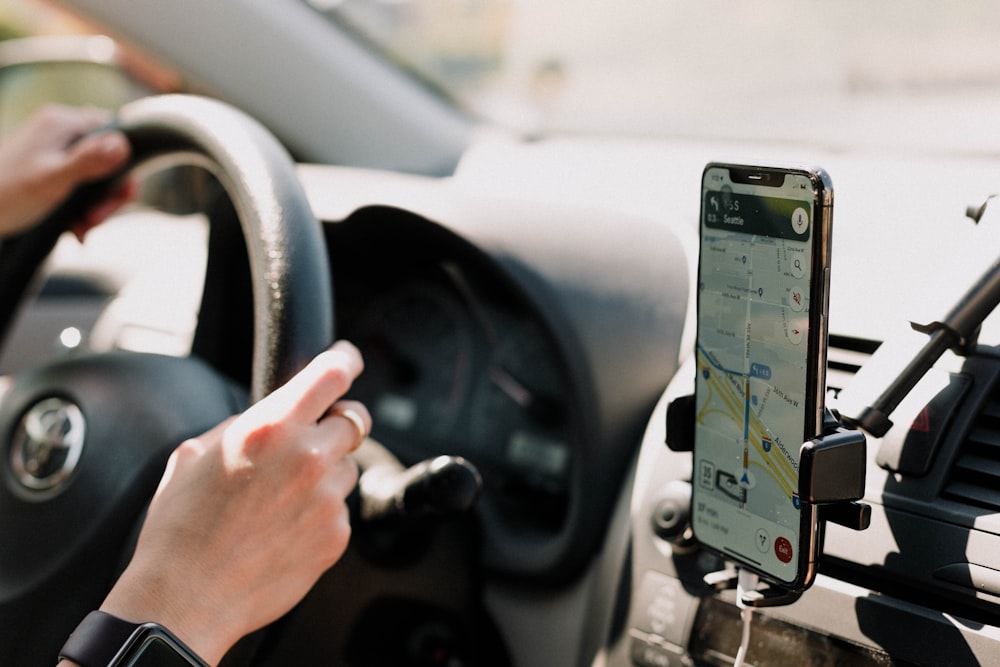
(311, 392)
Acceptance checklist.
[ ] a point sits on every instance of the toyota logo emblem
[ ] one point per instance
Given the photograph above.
(47, 444)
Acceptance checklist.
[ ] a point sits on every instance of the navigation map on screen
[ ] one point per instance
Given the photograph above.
(753, 300)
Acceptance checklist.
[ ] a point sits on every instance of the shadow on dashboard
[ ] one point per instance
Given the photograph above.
(913, 635)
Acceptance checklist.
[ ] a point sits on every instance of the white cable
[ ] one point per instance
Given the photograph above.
(745, 581)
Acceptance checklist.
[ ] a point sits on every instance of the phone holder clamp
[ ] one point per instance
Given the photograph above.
(832, 468)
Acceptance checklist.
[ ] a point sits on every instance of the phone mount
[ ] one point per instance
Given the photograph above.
(958, 332)
(832, 470)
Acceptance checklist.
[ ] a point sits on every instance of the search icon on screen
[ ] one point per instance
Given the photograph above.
(798, 270)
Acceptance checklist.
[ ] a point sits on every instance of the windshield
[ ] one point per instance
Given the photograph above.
(904, 72)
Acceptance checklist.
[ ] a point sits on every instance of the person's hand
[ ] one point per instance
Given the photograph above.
(48, 157)
(249, 515)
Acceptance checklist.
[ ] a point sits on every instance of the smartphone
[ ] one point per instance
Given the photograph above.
(763, 295)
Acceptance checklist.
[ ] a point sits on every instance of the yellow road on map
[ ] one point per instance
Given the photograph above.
(727, 396)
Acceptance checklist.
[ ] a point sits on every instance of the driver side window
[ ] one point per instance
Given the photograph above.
(136, 283)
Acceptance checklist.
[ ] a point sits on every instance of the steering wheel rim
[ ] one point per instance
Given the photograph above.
(293, 311)
(293, 321)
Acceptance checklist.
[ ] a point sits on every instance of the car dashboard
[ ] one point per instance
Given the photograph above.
(539, 327)
(534, 368)
(509, 332)
(506, 331)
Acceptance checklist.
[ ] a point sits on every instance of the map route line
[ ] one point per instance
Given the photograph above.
(737, 408)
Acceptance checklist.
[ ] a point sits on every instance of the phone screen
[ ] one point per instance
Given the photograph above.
(761, 358)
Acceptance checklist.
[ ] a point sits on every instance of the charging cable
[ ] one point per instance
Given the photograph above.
(745, 581)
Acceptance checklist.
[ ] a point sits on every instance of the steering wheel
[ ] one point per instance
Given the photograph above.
(84, 438)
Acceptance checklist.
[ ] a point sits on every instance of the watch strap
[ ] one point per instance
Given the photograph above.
(97, 639)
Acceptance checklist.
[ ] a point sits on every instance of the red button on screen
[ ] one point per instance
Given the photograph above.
(783, 550)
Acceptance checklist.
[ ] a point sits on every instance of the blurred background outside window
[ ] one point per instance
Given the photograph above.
(898, 73)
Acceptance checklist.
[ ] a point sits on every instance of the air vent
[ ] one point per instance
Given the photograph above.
(845, 357)
(975, 479)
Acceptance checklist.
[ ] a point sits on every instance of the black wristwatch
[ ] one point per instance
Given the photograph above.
(103, 640)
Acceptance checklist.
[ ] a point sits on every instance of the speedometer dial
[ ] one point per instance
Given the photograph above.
(418, 350)
(520, 421)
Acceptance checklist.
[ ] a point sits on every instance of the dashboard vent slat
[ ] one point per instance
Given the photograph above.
(973, 494)
(986, 440)
(975, 476)
(845, 357)
(991, 411)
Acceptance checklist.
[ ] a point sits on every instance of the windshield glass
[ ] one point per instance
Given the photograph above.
(847, 72)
